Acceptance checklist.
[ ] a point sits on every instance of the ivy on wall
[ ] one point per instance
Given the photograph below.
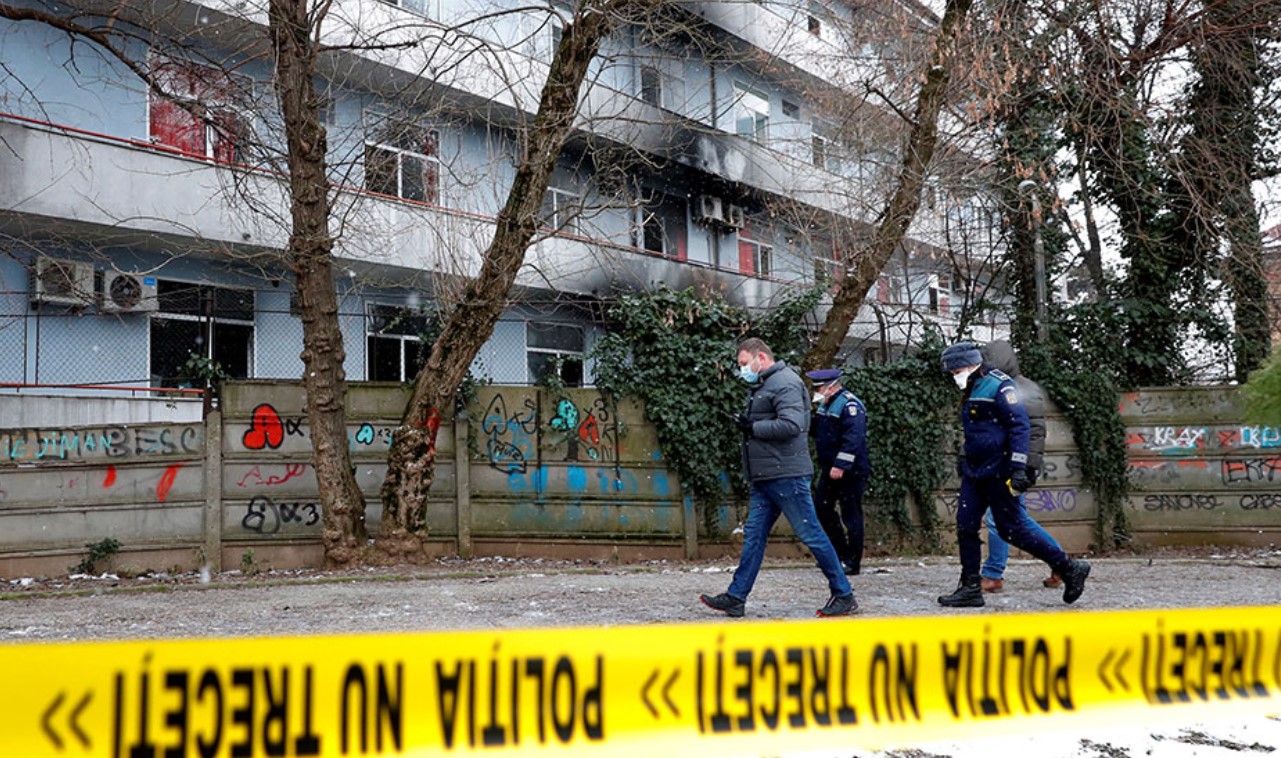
(675, 351)
(1262, 393)
(1074, 369)
(912, 419)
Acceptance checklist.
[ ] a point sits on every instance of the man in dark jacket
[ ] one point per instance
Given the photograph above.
(776, 460)
(993, 469)
(839, 429)
(1000, 355)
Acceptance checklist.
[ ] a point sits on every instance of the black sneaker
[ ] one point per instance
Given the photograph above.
(966, 595)
(851, 568)
(839, 605)
(1074, 580)
(726, 602)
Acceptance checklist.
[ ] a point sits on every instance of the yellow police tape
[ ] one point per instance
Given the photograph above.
(705, 689)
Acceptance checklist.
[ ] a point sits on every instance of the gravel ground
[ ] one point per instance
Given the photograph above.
(522, 593)
(514, 593)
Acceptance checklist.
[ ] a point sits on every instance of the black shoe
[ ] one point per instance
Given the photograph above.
(726, 602)
(839, 605)
(851, 568)
(1074, 580)
(968, 594)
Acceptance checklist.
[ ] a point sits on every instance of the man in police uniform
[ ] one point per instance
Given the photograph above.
(993, 468)
(839, 428)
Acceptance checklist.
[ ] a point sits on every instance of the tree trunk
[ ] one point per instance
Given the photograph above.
(906, 200)
(310, 258)
(412, 460)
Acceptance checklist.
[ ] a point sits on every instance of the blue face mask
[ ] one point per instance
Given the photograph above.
(747, 374)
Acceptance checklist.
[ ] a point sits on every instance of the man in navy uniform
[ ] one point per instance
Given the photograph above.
(993, 468)
(839, 428)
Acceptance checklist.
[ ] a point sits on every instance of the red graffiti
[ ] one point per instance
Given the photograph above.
(1229, 437)
(589, 430)
(291, 470)
(166, 482)
(110, 478)
(266, 429)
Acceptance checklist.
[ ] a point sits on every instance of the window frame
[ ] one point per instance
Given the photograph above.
(405, 339)
(655, 86)
(580, 354)
(207, 321)
(428, 137)
(744, 97)
(212, 96)
(648, 214)
(565, 209)
(762, 255)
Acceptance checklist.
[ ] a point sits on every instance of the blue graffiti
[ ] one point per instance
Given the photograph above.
(534, 481)
(576, 478)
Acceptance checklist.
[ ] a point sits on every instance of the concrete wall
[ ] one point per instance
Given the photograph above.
(526, 472)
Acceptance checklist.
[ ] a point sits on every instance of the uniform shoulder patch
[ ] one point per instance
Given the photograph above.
(1011, 396)
(851, 408)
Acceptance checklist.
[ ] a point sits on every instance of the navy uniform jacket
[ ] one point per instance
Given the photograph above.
(839, 429)
(996, 426)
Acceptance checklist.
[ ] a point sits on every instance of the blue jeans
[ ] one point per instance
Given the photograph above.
(981, 495)
(998, 550)
(791, 498)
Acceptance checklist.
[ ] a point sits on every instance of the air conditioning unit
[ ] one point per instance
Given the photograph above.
(62, 282)
(735, 217)
(709, 209)
(128, 293)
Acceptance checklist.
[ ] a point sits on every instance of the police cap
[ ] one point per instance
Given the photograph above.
(823, 375)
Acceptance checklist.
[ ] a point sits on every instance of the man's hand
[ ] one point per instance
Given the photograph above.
(1019, 483)
(835, 473)
(744, 423)
(1032, 476)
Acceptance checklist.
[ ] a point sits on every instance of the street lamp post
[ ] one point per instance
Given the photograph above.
(1029, 187)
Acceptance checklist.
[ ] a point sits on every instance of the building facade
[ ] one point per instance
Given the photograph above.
(716, 147)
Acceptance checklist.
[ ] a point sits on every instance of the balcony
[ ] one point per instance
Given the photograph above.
(76, 185)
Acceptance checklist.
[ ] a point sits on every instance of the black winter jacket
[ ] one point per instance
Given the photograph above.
(779, 409)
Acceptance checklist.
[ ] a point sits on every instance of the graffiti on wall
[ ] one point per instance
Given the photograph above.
(28, 445)
(87, 484)
(1208, 501)
(1050, 501)
(511, 440)
(587, 432)
(1051, 471)
(520, 437)
(1034, 500)
(271, 475)
(264, 515)
(268, 430)
(1168, 403)
(1194, 439)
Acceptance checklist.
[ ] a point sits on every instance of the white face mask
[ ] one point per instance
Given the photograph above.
(962, 378)
(818, 397)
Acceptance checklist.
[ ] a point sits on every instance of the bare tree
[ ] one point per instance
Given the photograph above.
(411, 465)
(902, 206)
